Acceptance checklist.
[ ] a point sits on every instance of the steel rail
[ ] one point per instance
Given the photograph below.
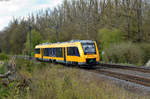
(131, 78)
(128, 77)
(133, 68)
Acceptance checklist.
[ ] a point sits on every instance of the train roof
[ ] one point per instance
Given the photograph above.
(72, 41)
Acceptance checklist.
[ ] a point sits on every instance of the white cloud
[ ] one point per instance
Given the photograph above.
(4, 21)
(19, 8)
(13, 8)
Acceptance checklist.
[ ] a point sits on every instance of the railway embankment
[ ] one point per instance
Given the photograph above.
(125, 84)
(44, 80)
(33, 80)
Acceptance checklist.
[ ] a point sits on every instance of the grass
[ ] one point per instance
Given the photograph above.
(3, 56)
(50, 81)
(3, 67)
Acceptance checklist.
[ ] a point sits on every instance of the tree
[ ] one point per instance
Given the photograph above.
(109, 36)
(81, 19)
(35, 40)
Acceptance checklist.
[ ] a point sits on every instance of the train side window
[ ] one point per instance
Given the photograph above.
(73, 51)
(68, 51)
(37, 51)
(59, 52)
(54, 52)
(77, 51)
(46, 52)
(50, 52)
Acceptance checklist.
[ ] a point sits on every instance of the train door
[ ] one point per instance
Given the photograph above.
(64, 54)
(41, 53)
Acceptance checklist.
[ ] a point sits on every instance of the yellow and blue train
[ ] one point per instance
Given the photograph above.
(75, 52)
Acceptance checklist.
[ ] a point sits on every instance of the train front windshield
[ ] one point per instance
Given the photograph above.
(89, 48)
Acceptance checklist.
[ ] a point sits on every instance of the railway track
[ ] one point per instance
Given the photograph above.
(127, 77)
(104, 69)
(133, 68)
(131, 78)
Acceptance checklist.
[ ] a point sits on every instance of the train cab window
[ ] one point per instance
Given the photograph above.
(89, 48)
(46, 51)
(73, 51)
(37, 51)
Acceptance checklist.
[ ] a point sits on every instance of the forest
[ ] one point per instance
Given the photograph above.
(121, 28)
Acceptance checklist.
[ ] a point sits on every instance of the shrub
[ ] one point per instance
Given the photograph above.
(124, 53)
(3, 56)
(4, 92)
(109, 36)
(26, 65)
(146, 49)
(2, 69)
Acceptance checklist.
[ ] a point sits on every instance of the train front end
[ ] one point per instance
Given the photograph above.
(91, 53)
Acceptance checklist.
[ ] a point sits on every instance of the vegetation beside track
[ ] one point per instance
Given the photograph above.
(127, 53)
(2, 68)
(3, 56)
(36, 80)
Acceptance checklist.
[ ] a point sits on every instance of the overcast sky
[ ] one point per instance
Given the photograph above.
(19, 8)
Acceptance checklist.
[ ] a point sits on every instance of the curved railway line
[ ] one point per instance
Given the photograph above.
(133, 68)
(103, 68)
(132, 78)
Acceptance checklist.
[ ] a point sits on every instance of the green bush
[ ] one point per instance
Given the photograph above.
(36, 39)
(2, 69)
(146, 49)
(26, 65)
(3, 56)
(124, 53)
(4, 92)
(108, 36)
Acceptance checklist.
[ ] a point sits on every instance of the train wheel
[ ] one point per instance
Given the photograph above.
(50, 60)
